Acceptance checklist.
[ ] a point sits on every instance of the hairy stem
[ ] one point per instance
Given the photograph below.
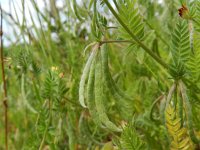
(188, 111)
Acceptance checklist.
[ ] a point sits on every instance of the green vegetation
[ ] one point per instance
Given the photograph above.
(101, 75)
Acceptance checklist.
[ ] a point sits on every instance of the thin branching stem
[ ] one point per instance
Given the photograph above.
(4, 81)
(111, 27)
(47, 125)
(150, 52)
(115, 41)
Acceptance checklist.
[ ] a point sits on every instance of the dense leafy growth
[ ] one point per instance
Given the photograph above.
(100, 75)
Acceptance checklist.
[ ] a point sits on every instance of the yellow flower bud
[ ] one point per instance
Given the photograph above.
(53, 68)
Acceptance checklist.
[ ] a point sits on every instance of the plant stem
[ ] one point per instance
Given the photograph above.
(150, 52)
(47, 126)
(188, 111)
(4, 82)
(111, 27)
(43, 139)
(115, 41)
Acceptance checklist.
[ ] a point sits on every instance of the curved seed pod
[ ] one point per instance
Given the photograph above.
(153, 105)
(108, 75)
(179, 138)
(180, 108)
(104, 53)
(88, 46)
(118, 90)
(99, 97)
(169, 96)
(90, 94)
(110, 83)
(175, 98)
(85, 75)
(188, 112)
(162, 109)
(71, 130)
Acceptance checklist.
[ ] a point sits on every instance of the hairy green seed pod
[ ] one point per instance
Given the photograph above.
(180, 107)
(188, 112)
(99, 98)
(90, 94)
(85, 75)
(108, 75)
(116, 92)
(162, 109)
(169, 96)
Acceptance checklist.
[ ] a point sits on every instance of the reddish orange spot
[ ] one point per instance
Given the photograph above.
(184, 12)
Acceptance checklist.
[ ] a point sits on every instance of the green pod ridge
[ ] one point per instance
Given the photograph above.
(71, 130)
(90, 94)
(169, 97)
(153, 106)
(170, 94)
(108, 74)
(178, 105)
(188, 113)
(111, 84)
(120, 91)
(162, 109)
(175, 98)
(85, 75)
(104, 56)
(180, 110)
(99, 97)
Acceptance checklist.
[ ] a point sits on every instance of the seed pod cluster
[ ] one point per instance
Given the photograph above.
(98, 77)
(179, 113)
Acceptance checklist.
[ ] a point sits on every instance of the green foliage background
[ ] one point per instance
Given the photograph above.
(132, 74)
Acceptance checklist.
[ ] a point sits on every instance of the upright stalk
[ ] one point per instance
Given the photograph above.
(47, 126)
(4, 81)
